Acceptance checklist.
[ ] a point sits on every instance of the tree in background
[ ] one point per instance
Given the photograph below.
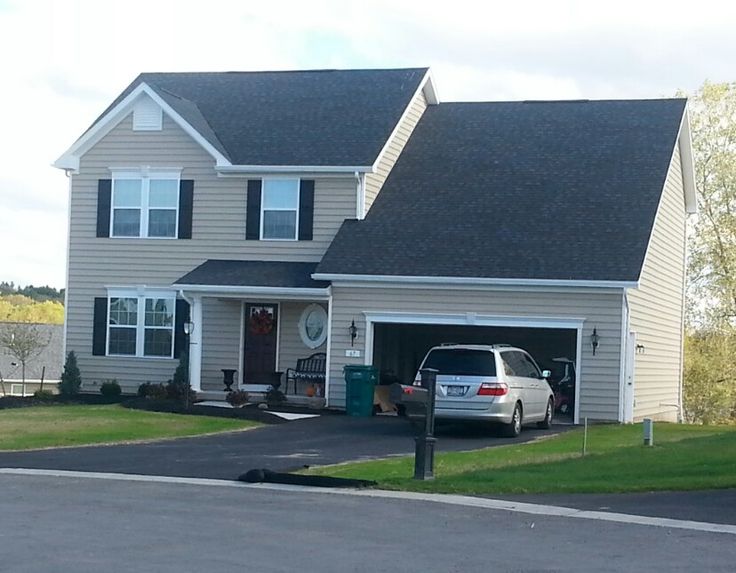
(709, 380)
(71, 378)
(23, 342)
(20, 308)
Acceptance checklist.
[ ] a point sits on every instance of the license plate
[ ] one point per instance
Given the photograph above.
(456, 390)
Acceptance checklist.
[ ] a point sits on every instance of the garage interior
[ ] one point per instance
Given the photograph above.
(398, 349)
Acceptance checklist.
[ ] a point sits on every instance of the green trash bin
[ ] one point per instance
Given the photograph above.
(360, 381)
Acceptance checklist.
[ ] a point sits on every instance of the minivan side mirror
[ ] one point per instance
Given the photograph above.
(546, 374)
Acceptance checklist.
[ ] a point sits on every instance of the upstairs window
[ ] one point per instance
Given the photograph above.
(280, 209)
(145, 206)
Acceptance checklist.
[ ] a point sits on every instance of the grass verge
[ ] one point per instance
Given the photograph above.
(53, 426)
(684, 457)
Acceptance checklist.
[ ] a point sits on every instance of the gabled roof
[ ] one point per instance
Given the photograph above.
(552, 191)
(318, 118)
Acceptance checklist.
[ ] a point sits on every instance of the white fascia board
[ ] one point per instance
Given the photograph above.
(70, 159)
(474, 319)
(455, 281)
(426, 86)
(688, 164)
(227, 290)
(270, 169)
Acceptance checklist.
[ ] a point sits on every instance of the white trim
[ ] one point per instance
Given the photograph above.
(474, 319)
(687, 164)
(426, 86)
(302, 326)
(140, 112)
(334, 277)
(241, 352)
(69, 176)
(245, 338)
(568, 323)
(271, 169)
(145, 175)
(241, 291)
(70, 158)
(578, 374)
(296, 210)
(625, 318)
(360, 195)
(328, 350)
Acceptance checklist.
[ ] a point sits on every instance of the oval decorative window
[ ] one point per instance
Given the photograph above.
(313, 326)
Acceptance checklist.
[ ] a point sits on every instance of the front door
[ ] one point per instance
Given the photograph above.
(261, 335)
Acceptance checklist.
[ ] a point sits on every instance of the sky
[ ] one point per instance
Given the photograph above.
(64, 61)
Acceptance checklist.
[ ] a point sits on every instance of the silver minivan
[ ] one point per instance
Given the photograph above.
(496, 383)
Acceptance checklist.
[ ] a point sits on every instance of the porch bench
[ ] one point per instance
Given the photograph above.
(311, 369)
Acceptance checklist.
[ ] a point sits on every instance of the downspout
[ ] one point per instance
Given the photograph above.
(68, 173)
(360, 195)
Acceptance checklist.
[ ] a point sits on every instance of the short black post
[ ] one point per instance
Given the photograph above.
(425, 442)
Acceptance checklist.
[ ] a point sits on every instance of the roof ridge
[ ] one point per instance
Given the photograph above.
(562, 101)
(292, 71)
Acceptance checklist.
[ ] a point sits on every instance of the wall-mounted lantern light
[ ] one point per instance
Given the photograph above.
(188, 327)
(595, 340)
(353, 331)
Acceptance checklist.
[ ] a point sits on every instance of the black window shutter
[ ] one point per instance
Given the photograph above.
(99, 327)
(180, 339)
(186, 203)
(306, 209)
(253, 211)
(104, 197)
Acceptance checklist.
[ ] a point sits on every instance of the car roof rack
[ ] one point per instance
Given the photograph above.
(502, 345)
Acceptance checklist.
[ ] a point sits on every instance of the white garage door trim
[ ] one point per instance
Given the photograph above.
(473, 319)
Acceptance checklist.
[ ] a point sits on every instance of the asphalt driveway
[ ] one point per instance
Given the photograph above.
(283, 447)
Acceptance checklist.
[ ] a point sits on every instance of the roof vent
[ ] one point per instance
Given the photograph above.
(147, 115)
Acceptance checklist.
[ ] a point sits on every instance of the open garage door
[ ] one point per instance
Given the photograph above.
(398, 349)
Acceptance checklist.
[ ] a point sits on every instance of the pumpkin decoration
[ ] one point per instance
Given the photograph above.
(310, 391)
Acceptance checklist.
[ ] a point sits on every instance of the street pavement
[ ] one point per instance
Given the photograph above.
(79, 524)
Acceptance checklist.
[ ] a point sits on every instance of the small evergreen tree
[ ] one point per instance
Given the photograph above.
(178, 387)
(71, 379)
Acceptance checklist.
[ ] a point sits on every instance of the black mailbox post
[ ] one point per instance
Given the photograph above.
(425, 442)
(420, 398)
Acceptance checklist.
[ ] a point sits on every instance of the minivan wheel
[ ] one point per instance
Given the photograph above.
(513, 428)
(546, 424)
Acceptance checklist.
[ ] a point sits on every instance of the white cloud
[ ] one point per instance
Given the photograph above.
(65, 60)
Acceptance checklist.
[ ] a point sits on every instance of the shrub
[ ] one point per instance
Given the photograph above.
(178, 387)
(143, 389)
(71, 379)
(43, 395)
(157, 392)
(237, 398)
(110, 389)
(275, 397)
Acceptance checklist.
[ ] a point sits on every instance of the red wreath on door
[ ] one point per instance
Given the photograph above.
(261, 321)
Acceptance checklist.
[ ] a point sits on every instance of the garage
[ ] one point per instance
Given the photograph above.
(398, 348)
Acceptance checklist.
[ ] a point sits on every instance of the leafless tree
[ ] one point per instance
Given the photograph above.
(23, 341)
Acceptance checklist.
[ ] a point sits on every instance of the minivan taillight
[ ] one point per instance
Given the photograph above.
(493, 389)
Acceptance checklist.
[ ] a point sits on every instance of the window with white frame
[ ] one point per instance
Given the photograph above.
(145, 205)
(141, 325)
(280, 209)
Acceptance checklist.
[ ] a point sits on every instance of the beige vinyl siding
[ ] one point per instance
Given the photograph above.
(218, 232)
(656, 307)
(600, 382)
(374, 181)
(222, 338)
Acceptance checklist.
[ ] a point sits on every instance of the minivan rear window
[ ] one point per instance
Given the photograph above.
(462, 362)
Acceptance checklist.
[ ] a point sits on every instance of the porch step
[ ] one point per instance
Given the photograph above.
(291, 400)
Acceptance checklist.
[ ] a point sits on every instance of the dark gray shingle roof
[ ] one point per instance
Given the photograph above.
(314, 117)
(533, 190)
(253, 273)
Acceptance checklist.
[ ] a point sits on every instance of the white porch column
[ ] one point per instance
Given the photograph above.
(195, 345)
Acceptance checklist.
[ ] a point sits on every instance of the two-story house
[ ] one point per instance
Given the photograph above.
(350, 212)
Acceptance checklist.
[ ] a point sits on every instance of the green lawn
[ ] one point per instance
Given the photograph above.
(684, 458)
(50, 426)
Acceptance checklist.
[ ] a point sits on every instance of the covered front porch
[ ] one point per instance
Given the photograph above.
(255, 321)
